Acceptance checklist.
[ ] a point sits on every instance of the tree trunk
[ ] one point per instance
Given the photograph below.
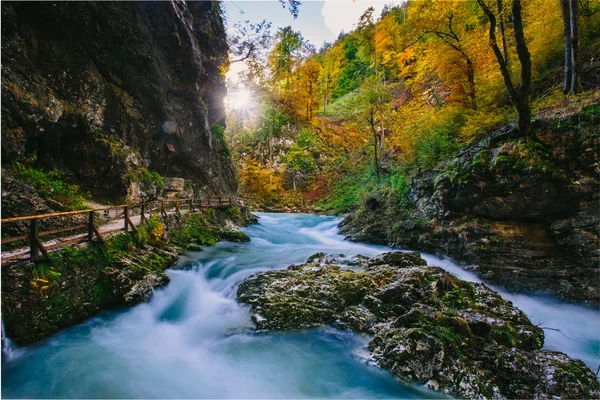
(502, 33)
(381, 135)
(375, 141)
(471, 78)
(519, 96)
(523, 108)
(575, 78)
(326, 94)
(307, 117)
(566, 17)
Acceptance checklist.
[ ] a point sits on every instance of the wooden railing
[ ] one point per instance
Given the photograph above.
(89, 227)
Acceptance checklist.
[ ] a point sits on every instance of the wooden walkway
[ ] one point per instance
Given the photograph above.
(93, 224)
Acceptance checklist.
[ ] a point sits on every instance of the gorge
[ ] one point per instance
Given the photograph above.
(438, 127)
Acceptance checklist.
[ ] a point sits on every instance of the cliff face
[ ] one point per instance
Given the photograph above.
(522, 215)
(99, 88)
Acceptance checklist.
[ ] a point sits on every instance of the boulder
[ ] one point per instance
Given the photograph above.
(429, 327)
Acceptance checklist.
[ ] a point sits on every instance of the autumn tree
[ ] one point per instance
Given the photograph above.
(371, 101)
(324, 78)
(309, 76)
(448, 21)
(519, 95)
(285, 54)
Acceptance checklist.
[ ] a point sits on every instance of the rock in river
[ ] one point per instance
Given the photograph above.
(428, 326)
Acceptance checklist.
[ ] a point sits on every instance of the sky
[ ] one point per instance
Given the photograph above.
(319, 21)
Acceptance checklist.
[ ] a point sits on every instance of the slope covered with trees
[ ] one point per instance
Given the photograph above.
(404, 92)
(468, 128)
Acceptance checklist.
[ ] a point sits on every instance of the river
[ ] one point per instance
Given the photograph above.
(194, 340)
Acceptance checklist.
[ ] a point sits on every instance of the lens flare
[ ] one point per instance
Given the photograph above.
(169, 127)
(238, 98)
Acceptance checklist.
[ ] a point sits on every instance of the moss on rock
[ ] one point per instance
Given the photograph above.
(39, 300)
(429, 327)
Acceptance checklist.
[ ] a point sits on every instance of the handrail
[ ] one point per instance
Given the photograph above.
(37, 247)
(60, 214)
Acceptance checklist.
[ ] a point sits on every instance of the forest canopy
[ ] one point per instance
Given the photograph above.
(403, 92)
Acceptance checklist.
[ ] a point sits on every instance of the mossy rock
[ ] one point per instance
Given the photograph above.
(429, 326)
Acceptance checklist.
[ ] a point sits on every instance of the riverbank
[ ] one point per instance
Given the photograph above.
(38, 300)
(520, 214)
(161, 348)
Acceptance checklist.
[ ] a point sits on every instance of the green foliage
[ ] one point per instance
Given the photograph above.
(300, 155)
(51, 185)
(401, 188)
(194, 229)
(435, 146)
(151, 232)
(146, 177)
(361, 183)
(218, 132)
(344, 106)
(43, 278)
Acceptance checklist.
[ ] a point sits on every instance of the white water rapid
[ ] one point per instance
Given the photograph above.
(193, 340)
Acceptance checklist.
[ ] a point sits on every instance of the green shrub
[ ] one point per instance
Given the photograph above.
(348, 190)
(218, 132)
(51, 185)
(194, 229)
(401, 188)
(151, 232)
(436, 145)
(146, 177)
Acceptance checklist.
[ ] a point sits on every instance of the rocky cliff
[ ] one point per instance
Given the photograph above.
(524, 215)
(99, 89)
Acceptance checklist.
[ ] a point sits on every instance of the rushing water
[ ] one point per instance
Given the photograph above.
(194, 340)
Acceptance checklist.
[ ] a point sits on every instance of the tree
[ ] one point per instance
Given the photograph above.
(371, 102)
(249, 40)
(449, 22)
(519, 95)
(285, 54)
(309, 75)
(570, 17)
(291, 5)
(299, 159)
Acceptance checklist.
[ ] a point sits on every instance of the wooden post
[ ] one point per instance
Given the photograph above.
(230, 201)
(177, 207)
(192, 205)
(125, 217)
(33, 239)
(142, 216)
(220, 202)
(91, 226)
(35, 246)
(162, 208)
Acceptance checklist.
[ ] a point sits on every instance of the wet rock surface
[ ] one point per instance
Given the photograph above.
(428, 326)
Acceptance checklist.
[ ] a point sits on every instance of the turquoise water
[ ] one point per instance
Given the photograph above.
(193, 340)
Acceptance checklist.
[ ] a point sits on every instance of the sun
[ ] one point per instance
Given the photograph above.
(238, 98)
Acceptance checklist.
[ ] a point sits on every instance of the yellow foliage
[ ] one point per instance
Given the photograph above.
(156, 233)
(260, 184)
